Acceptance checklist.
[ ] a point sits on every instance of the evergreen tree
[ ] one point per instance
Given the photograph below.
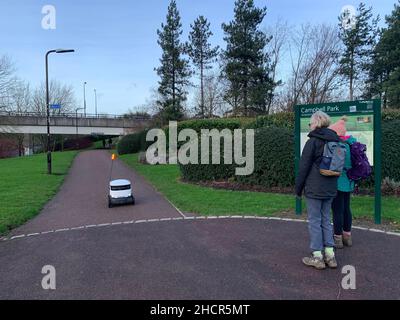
(384, 73)
(246, 66)
(201, 52)
(174, 70)
(358, 40)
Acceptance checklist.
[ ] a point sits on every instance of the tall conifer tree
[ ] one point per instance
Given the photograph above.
(174, 71)
(201, 52)
(358, 40)
(246, 66)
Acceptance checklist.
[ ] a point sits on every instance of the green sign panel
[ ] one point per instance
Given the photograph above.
(363, 122)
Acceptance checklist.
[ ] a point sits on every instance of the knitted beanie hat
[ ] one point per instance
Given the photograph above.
(340, 126)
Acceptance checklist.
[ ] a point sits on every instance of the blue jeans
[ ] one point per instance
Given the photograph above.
(319, 225)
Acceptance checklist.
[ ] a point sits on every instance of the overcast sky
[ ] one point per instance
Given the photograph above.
(116, 41)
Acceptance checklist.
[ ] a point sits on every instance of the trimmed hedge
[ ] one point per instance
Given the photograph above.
(274, 150)
(206, 172)
(273, 158)
(281, 120)
(391, 149)
(129, 144)
(219, 124)
(133, 143)
(390, 114)
(273, 162)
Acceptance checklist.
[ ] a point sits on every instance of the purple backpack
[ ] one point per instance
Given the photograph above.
(360, 167)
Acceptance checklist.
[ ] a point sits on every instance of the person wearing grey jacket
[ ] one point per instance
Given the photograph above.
(319, 192)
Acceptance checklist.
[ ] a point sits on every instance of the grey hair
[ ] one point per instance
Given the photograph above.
(320, 119)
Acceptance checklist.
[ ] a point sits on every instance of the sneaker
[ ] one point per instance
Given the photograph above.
(315, 262)
(330, 261)
(338, 241)
(347, 241)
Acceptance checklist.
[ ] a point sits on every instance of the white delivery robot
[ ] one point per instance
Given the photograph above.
(120, 190)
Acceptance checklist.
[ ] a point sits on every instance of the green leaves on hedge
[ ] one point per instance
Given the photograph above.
(281, 120)
(273, 158)
(207, 172)
(133, 143)
(391, 149)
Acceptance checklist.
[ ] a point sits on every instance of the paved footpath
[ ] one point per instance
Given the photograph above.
(151, 251)
(82, 199)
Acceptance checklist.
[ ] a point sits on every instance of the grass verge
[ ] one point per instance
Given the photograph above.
(25, 186)
(210, 201)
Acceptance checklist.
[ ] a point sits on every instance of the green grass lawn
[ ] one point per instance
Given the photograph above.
(25, 186)
(209, 201)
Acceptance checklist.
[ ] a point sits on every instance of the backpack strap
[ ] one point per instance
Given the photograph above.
(319, 153)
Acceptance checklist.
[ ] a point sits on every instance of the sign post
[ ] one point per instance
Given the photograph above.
(364, 123)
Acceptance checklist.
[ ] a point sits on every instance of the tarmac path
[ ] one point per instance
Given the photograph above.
(82, 199)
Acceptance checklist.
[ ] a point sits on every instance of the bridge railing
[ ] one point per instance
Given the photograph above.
(72, 115)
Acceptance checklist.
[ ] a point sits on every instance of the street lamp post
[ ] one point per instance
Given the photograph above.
(47, 103)
(76, 124)
(84, 97)
(95, 101)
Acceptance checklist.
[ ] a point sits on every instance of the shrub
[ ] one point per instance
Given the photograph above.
(273, 162)
(129, 144)
(219, 124)
(133, 143)
(390, 114)
(390, 187)
(281, 119)
(143, 143)
(207, 172)
(273, 158)
(391, 149)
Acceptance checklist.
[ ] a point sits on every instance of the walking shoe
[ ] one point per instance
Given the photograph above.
(330, 260)
(338, 241)
(347, 241)
(316, 262)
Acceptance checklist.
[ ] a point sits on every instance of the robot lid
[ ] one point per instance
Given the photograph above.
(119, 183)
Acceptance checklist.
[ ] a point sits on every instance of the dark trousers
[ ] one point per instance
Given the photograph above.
(342, 217)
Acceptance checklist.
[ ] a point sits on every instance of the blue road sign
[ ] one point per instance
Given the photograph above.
(55, 106)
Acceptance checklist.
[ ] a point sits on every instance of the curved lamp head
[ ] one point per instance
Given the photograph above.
(64, 50)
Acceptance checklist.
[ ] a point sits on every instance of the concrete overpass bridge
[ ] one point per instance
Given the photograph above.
(71, 123)
(29, 123)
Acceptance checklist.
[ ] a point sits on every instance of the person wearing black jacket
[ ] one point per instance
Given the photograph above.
(319, 192)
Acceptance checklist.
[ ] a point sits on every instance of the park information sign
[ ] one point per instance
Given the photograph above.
(363, 123)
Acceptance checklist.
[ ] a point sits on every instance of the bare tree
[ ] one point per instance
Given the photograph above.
(59, 94)
(7, 79)
(315, 77)
(214, 102)
(10, 92)
(20, 97)
(19, 100)
(276, 49)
